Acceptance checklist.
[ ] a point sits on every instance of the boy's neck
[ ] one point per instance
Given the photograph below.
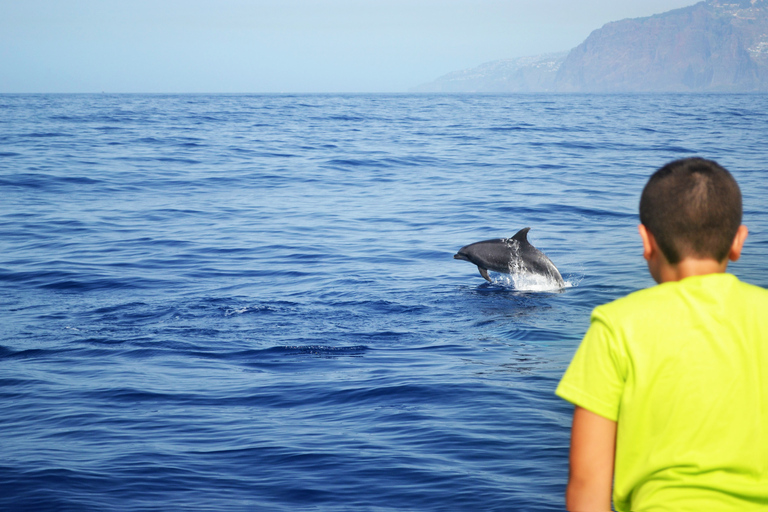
(688, 267)
(664, 271)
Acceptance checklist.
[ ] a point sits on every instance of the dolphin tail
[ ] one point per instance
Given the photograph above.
(484, 273)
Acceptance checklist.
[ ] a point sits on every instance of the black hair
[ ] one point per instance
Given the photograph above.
(693, 208)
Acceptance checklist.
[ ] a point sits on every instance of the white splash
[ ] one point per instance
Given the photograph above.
(520, 278)
(528, 282)
(237, 311)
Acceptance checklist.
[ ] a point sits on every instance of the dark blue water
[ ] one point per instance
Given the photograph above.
(250, 302)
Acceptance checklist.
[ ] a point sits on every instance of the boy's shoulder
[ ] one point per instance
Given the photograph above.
(695, 291)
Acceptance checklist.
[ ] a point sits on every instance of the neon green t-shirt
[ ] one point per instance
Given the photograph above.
(683, 368)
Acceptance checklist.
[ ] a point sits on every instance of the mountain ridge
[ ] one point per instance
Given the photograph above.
(711, 46)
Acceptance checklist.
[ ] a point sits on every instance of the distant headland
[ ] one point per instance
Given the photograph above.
(712, 46)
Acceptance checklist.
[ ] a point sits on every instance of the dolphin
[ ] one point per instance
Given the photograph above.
(508, 255)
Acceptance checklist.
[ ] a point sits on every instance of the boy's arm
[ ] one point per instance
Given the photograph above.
(593, 447)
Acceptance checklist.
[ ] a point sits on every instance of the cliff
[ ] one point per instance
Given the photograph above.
(718, 46)
(712, 46)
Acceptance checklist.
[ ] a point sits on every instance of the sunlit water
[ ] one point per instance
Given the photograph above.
(250, 302)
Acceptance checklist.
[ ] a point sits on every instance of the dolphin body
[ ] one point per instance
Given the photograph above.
(508, 255)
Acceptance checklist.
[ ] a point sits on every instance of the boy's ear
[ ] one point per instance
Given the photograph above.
(738, 243)
(649, 243)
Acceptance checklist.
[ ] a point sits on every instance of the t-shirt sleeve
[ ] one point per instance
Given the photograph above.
(595, 378)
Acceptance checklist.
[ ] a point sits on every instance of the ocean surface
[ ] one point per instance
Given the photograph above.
(250, 302)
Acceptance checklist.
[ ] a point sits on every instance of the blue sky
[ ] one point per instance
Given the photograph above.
(281, 45)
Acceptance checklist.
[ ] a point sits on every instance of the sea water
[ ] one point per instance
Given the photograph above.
(239, 302)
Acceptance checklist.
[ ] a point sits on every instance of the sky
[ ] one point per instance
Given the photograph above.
(281, 46)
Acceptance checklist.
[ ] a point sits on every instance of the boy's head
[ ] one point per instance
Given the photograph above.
(693, 209)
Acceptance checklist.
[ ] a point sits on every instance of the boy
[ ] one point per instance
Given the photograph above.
(671, 383)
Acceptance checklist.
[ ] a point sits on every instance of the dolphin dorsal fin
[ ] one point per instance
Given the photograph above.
(522, 235)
